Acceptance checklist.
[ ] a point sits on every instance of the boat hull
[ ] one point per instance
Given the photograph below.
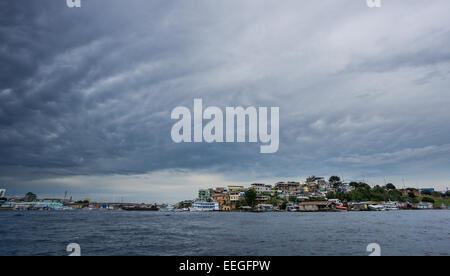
(141, 209)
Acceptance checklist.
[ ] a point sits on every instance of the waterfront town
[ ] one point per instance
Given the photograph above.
(315, 194)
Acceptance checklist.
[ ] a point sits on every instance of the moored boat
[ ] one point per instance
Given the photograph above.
(391, 206)
(204, 207)
(341, 208)
(291, 208)
(141, 208)
(376, 207)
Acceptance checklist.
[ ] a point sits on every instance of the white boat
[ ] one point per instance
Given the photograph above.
(168, 208)
(204, 207)
(291, 208)
(376, 207)
(265, 208)
(391, 206)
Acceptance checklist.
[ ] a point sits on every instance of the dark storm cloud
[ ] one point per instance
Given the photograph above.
(49, 117)
(89, 91)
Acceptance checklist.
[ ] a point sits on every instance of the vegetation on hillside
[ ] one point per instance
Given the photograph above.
(363, 192)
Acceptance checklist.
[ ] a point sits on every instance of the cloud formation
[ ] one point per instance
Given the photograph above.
(88, 92)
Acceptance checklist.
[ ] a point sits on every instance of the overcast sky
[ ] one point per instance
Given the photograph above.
(86, 94)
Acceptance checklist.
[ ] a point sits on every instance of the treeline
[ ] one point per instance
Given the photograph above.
(363, 192)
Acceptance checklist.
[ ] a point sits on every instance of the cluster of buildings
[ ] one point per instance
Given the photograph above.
(231, 197)
(25, 203)
(310, 195)
(34, 203)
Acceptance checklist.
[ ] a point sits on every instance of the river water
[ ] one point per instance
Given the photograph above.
(224, 234)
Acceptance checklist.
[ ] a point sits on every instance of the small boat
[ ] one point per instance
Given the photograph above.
(167, 209)
(181, 210)
(341, 208)
(264, 208)
(376, 207)
(291, 208)
(391, 206)
(141, 208)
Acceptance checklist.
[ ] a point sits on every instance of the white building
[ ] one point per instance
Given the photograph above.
(261, 188)
(2, 193)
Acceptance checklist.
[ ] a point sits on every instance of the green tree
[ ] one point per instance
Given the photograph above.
(334, 179)
(284, 205)
(181, 205)
(395, 195)
(391, 186)
(426, 192)
(239, 204)
(360, 185)
(250, 197)
(414, 200)
(30, 197)
(292, 199)
(274, 201)
(428, 199)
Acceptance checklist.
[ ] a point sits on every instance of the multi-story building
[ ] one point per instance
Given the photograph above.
(235, 188)
(204, 195)
(262, 198)
(220, 190)
(261, 188)
(235, 196)
(305, 189)
(289, 187)
(316, 183)
(221, 198)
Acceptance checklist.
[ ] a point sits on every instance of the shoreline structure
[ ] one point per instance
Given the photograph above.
(314, 195)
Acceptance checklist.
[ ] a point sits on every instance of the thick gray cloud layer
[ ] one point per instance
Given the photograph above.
(362, 92)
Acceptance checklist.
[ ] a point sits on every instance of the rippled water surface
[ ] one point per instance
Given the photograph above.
(159, 233)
